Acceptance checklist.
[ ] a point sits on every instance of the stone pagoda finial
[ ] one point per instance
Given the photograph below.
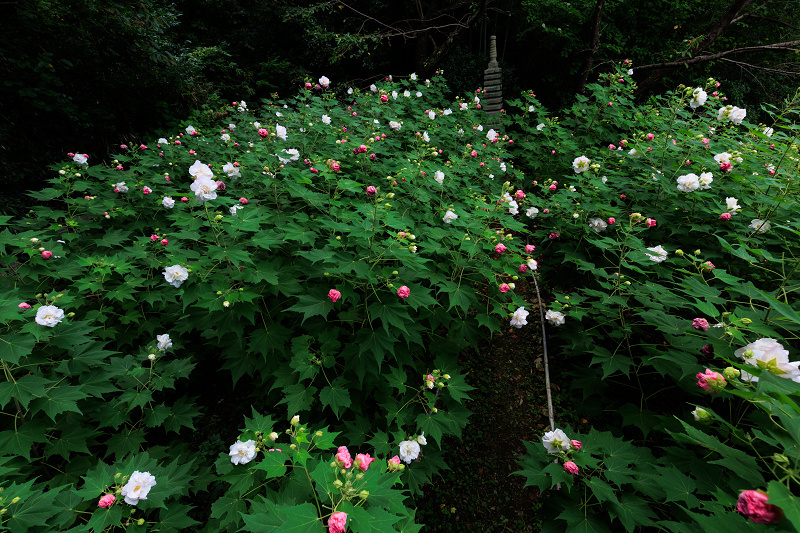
(492, 100)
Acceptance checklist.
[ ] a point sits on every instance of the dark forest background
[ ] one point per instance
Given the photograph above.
(88, 75)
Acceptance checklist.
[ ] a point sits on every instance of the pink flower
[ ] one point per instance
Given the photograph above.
(337, 523)
(403, 292)
(523, 268)
(700, 323)
(520, 194)
(184, 199)
(500, 248)
(371, 190)
(576, 445)
(621, 196)
(308, 85)
(343, 457)
(474, 153)
(570, 468)
(123, 146)
(393, 461)
(708, 265)
(192, 152)
(725, 216)
(529, 248)
(220, 186)
(753, 504)
(401, 234)
(504, 288)
(164, 242)
(106, 501)
(710, 381)
(611, 221)
(612, 147)
(364, 461)
(384, 98)
(651, 222)
(146, 189)
(154, 237)
(334, 295)
(70, 154)
(553, 187)
(650, 136)
(314, 170)
(263, 132)
(24, 305)
(243, 201)
(47, 254)
(554, 236)
(725, 166)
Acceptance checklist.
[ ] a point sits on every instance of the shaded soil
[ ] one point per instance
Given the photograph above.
(509, 405)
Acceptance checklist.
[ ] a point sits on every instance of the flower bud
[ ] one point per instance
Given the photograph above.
(359, 476)
(140, 522)
(226, 303)
(697, 252)
(16, 499)
(746, 321)
(293, 446)
(701, 415)
(446, 376)
(338, 484)
(679, 252)
(295, 420)
(364, 494)
(780, 458)
(731, 373)
(273, 436)
(117, 475)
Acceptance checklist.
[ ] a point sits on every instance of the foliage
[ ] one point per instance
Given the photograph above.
(321, 278)
(636, 328)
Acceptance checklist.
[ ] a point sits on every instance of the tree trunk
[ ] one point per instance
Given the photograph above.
(587, 65)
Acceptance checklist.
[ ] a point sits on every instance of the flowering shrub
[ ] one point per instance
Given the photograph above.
(681, 333)
(321, 256)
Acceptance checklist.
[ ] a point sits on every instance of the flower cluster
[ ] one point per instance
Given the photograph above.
(557, 442)
(769, 355)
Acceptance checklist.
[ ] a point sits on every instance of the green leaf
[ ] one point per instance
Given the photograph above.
(104, 518)
(336, 396)
(632, 512)
(790, 504)
(292, 519)
(24, 389)
(312, 305)
(298, 398)
(274, 463)
(15, 346)
(176, 517)
(602, 490)
(579, 521)
(33, 510)
(59, 400)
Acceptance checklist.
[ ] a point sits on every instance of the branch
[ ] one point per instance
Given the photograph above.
(724, 21)
(786, 45)
(587, 65)
(778, 71)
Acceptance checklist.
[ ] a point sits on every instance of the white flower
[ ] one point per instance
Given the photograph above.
(480, 127)
(761, 226)
(293, 154)
(176, 275)
(81, 159)
(699, 98)
(460, 132)
(660, 252)
(421, 439)
(630, 72)
(373, 88)
(705, 180)
(580, 164)
(326, 119)
(394, 125)
(540, 126)
(634, 152)
(769, 355)
(427, 83)
(409, 450)
(199, 170)
(532, 212)
(513, 208)
(349, 90)
(256, 125)
(688, 183)
(407, 93)
(164, 342)
(231, 127)
(242, 106)
(281, 131)
(137, 487)
(235, 208)
(491, 135)
(724, 157)
(231, 170)
(598, 224)
(412, 248)
(204, 189)
(555, 441)
(738, 114)
(519, 318)
(554, 317)
(431, 115)
(732, 204)
(419, 94)
(190, 130)
(447, 111)
(724, 113)
(121, 187)
(463, 106)
(439, 176)
(503, 166)
(768, 132)
(324, 81)
(242, 452)
(162, 140)
(477, 100)
(532, 264)
(49, 315)
(506, 197)
(168, 202)
(225, 137)
(449, 217)
(413, 76)
(531, 109)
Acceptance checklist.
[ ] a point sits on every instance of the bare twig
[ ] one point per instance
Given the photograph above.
(786, 45)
